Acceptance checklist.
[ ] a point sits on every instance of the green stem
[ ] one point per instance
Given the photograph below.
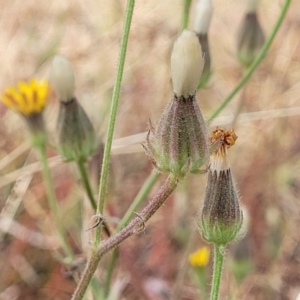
(140, 197)
(86, 183)
(217, 271)
(255, 63)
(113, 114)
(185, 14)
(53, 204)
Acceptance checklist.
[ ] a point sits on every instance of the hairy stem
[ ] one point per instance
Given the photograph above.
(140, 197)
(134, 227)
(53, 204)
(255, 63)
(217, 270)
(113, 114)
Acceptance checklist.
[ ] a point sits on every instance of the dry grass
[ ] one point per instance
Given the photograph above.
(265, 160)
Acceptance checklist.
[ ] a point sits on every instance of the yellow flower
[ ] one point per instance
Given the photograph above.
(27, 98)
(200, 258)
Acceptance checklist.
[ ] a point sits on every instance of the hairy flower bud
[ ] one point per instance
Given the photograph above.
(250, 39)
(179, 143)
(221, 217)
(76, 137)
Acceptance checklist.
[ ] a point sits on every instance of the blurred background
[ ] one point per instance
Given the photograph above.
(154, 264)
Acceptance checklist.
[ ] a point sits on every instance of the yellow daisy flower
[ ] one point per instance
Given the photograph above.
(200, 258)
(27, 98)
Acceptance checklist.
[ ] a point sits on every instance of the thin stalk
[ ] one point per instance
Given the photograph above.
(140, 197)
(134, 227)
(219, 252)
(86, 183)
(185, 14)
(88, 189)
(255, 63)
(53, 204)
(113, 114)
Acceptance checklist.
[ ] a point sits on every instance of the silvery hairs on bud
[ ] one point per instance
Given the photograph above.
(186, 64)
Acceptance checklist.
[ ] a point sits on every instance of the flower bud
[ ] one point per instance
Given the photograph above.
(179, 143)
(221, 217)
(76, 137)
(186, 64)
(250, 39)
(203, 14)
(62, 78)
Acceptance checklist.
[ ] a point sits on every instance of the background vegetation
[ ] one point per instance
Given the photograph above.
(265, 160)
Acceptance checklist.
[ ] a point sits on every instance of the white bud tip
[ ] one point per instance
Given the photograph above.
(62, 78)
(186, 64)
(203, 13)
(251, 6)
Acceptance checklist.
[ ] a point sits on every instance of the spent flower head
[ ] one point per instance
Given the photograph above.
(200, 258)
(29, 99)
(221, 217)
(179, 143)
(76, 136)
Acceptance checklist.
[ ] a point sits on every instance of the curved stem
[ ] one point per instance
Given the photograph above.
(140, 197)
(113, 114)
(134, 227)
(255, 63)
(53, 204)
(185, 14)
(86, 183)
(217, 270)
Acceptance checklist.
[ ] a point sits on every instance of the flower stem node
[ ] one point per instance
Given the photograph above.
(29, 100)
(221, 216)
